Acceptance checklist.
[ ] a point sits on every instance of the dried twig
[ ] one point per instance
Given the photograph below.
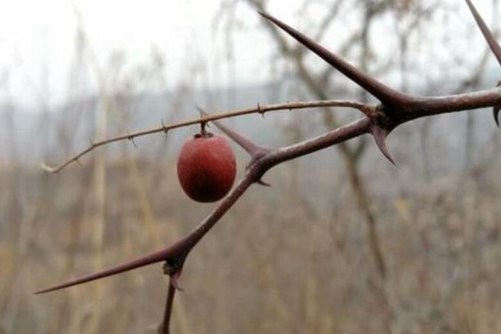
(260, 109)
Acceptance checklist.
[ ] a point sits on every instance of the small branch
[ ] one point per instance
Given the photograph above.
(164, 327)
(435, 105)
(164, 128)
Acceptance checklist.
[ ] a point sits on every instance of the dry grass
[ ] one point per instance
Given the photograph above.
(280, 262)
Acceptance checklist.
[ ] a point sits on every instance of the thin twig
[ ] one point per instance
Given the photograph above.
(164, 327)
(165, 127)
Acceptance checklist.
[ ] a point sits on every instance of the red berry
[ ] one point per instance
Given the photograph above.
(206, 167)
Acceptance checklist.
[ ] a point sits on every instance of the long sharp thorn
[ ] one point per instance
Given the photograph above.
(174, 279)
(496, 114)
(131, 139)
(47, 168)
(380, 138)
(385, 94)
(151, 258)
(265, 184)
(489, 37)
(496, 109)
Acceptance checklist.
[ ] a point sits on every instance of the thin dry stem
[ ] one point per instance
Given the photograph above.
(169, 302)
(164, 127)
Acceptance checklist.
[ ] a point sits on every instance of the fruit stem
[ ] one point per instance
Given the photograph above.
(203, 130)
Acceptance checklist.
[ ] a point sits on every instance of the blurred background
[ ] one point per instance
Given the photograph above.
(343, 242)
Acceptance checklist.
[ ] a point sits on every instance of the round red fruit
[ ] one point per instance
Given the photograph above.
(206, 167)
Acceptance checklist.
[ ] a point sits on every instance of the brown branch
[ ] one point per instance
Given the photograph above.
(261, 164)
(260, 109)
(165, 326)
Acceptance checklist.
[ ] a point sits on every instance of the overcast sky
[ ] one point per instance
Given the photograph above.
(37, 40)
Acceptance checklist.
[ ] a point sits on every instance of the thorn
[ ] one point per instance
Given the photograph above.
(174, 280)
(496, 109)
(142, 261)
(47, 168)
(489, 37)
(166, 130)
(260, 110)
(133, 142)
(265, 184)
(174, 267)
(131, 139)
(203, 123)
(380, 137)
(78, 162)
(203, 114)
(164, 126)
(495, 112)
(383, 93)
